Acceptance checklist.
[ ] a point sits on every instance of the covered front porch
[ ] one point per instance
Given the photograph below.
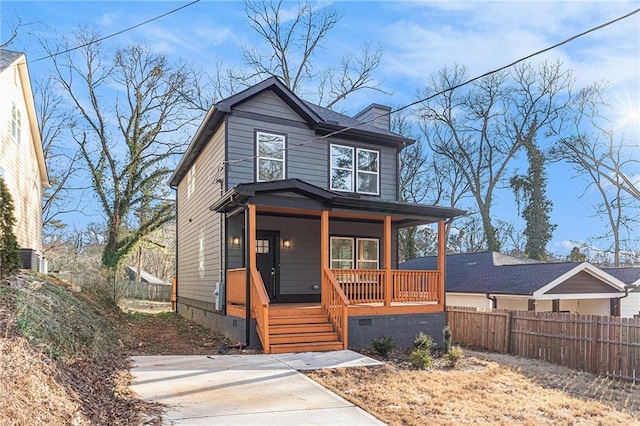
(301, 263)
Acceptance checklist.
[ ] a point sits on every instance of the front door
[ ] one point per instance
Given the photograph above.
(268, 261)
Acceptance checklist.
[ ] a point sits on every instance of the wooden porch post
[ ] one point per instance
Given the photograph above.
(324, 248)
(442, 250)
(387, 261)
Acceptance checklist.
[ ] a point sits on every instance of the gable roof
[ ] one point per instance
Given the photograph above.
(630, 275)
(497, 273)
(323, 121)
(9, 59)
(145, 276)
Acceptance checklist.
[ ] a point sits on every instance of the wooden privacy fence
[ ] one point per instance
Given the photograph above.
(600, 344)
(128, 289)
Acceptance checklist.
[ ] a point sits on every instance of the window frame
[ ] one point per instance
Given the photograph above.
(355, 169)
(258, 157)
(16, 123)
(355, 246)
(376, 173)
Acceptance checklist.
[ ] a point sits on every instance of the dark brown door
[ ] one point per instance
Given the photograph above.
(268, 262)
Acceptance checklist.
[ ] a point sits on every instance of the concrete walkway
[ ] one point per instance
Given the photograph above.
(247, 389)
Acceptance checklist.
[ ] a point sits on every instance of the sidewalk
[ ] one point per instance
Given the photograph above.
(247, 389)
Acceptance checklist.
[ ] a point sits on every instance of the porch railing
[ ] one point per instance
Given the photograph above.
(336, 305)
(416, 286)
(260, 308)
(380, 286)
(361, 285)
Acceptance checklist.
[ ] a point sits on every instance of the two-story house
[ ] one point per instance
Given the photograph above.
(22, 163)
(287, 223)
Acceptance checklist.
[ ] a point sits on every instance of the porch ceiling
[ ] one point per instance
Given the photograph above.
(296, 197)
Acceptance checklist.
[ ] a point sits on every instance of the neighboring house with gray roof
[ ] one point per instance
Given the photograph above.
(630, 275)
(497, 280)
(287, 227)
(22, 164)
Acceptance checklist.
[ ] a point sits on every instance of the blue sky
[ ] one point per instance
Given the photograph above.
(419, 39)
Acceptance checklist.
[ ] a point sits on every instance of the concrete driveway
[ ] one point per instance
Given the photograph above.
(247, 389)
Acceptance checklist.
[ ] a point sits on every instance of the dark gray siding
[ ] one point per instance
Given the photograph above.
(200, 261)
(299, 265)
(309, 162)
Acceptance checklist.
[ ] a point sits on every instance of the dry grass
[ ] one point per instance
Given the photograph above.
(29, 391)
(486, 389)
(62, 360)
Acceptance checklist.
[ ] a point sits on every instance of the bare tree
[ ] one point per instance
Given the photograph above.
(62, 163)
(424, 179)
(481, 127)
(601, 153)
(129, 108)
(291, 38)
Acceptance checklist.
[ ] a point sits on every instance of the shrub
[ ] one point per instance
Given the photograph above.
(454, 355)
(446, 339)
(382, 345)
(9, 250)
(421, 359)
(423, 342)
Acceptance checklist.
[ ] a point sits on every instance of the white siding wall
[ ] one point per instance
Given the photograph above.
(470, 300)
(630, 305)
(19, 163)
(199, 233)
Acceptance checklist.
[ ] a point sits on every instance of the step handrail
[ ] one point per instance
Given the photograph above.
(260, 306)
(336, 305)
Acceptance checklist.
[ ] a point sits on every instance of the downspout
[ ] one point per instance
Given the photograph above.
(494, 300)
(176, 255)
(247, 265)
(223, 257)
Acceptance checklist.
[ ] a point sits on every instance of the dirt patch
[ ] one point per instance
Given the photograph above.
(170, 334)
(144, 306)
(484, 389)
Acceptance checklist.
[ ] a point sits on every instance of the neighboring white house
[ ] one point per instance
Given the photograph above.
(497, 280)
(21, 156)
(630, 275)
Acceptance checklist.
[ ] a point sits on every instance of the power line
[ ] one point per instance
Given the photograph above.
(115, 34)
(457, 86)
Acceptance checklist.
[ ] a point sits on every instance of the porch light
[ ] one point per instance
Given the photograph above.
(235, 242)
(286, 244)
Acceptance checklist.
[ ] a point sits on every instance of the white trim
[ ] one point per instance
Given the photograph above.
(376, 173)
(587, 267)
(351, 169)
(355, 170)
(283, 159)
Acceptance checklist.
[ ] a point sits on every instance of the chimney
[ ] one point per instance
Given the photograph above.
(376, 115)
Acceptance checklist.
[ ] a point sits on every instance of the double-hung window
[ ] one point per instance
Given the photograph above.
(16, 123)
(349, 252)
(270, 160)
(355, 168)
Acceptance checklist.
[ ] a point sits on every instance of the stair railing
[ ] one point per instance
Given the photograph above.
(260, 308)
(336, 305)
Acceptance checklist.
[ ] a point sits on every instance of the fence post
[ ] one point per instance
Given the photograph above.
(507, 333)
(595, 326)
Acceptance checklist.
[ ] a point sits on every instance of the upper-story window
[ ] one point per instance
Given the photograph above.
(16, 123)
(270, 161)
(355, 167)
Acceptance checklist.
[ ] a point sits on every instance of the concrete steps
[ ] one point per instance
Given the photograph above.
(301, 329)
